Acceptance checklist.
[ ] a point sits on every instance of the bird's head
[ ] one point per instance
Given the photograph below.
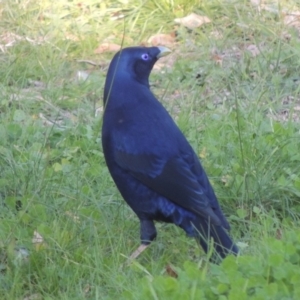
(133, 63)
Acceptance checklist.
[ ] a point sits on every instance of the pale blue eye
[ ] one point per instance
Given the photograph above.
(145, 56)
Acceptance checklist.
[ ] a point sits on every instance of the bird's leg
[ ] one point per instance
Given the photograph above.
(148, 234)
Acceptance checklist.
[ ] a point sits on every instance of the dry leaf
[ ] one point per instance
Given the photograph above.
(192, 21)
(171, 272)
(226, 179)
(165, 62)
(38, 241)
(162, 39)
(137, 252)
(99, 111)
(71, 37)
(87, 289)
(242, 245)
(253, 50)
(292, 19)
(73, 216)
(37, 238)
(8, 39)
(107, 47)
(218, 59)
(35, 296)
(37, 83)
(118, 15)
(216, 34)
(203, 153)
(82, 75)
(255, 2)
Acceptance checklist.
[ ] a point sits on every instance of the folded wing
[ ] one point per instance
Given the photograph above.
(175, 179)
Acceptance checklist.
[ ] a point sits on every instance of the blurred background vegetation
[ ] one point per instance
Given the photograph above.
(232, 85)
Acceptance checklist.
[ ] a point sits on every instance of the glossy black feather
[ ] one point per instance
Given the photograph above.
(150, 160)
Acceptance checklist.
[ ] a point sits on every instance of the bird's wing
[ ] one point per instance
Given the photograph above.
(175, 179)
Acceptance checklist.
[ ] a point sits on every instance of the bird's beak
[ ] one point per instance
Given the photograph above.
(163, 51)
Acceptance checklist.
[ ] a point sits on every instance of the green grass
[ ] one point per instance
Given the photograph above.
(242, 118)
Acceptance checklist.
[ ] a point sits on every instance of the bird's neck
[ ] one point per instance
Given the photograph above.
(123, 90)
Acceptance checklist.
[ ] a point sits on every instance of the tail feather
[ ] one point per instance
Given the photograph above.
(222, 242)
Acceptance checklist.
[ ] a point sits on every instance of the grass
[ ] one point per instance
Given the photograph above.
(238, 110)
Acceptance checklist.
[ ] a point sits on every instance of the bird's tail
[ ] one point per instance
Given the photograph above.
(217, 236)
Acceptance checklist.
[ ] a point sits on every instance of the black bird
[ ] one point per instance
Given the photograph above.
(151, 162)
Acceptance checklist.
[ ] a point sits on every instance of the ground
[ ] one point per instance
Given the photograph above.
(232, 85)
